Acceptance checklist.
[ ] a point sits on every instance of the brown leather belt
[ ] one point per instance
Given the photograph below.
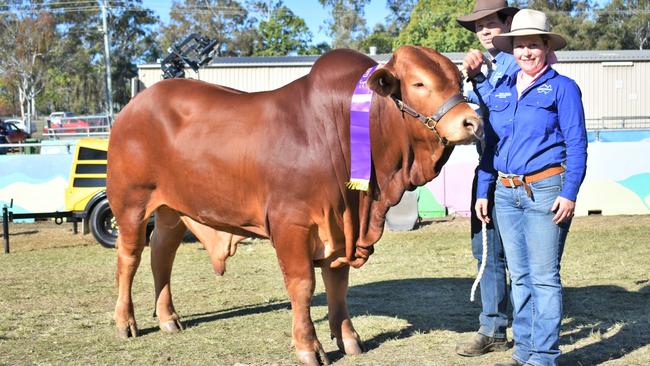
(516, 181)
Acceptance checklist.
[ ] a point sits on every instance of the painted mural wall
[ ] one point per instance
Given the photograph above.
(617, 180)
(36, 183)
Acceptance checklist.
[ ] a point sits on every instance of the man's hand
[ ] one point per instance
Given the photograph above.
(563, 208)
(481, 208)
(472, 62)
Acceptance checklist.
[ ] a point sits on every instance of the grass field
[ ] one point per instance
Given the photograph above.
(410, 302)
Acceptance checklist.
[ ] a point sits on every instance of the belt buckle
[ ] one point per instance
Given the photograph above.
(511, 181)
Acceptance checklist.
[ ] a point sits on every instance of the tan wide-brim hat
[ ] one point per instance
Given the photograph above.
(528, 22)
(483, 8)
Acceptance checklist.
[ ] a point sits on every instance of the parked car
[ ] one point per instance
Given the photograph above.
(11, 133)
(64, 123)
(55, 117)
(22, 125)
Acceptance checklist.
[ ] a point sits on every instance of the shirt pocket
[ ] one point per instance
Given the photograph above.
(500, 119)
(540, 114)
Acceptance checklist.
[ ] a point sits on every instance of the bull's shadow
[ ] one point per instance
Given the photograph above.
(428, 304)
(425, 303)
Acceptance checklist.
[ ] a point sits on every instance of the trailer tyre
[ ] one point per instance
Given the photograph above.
(103, 225)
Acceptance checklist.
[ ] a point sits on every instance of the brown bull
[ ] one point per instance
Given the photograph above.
(229, 165)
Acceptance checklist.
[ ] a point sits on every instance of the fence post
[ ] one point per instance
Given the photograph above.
(5, 227)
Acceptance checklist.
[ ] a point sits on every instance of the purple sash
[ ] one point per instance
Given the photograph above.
(360, 157)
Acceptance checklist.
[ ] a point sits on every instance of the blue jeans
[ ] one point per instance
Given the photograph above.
(493, 319)
(533, 244)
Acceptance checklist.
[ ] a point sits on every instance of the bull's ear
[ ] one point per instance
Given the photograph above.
(383, 82)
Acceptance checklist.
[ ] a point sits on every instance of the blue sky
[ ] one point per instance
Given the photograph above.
(310, 10)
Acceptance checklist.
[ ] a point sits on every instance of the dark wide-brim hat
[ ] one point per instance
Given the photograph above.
(483, 8)
(528, 22)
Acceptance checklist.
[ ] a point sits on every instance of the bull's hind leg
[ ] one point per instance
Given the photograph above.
(130, 243)
(336, 286)
(164, 243)
(295, 257)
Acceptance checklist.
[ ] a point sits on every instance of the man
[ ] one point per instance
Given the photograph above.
(489, 18)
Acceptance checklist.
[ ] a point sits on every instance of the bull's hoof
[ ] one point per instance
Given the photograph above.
(350, 346)
(172, 325)
(313, 358)
(127, 330)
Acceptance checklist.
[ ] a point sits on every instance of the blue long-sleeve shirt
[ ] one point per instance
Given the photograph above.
(543, 128)
(503, 64)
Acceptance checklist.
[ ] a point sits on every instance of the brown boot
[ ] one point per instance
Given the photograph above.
(481, 344)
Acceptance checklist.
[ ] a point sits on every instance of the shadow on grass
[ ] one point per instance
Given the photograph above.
(443, 303)
(595, 310)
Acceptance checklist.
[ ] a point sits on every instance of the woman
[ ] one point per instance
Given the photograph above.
(536, 151)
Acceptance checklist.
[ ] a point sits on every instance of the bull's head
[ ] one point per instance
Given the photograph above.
(426, 85)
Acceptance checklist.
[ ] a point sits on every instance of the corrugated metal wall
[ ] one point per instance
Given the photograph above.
(610, 89)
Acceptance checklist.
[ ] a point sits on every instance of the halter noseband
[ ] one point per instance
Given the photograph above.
(431, 122)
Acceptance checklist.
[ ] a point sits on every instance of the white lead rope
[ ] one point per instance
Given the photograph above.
(483, 263)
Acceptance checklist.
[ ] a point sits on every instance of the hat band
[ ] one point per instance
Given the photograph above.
(530, 28)
(484, 9)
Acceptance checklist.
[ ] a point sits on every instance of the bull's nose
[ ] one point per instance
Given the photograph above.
(475, 126)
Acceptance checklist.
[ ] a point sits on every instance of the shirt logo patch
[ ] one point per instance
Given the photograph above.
(497, 75)
(545, 89)
(503, 95)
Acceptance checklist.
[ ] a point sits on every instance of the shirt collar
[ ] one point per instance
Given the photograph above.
(546, 75)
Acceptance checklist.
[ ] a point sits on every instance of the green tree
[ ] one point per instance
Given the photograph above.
(399, 15)
(280, 31)
(225, 21)
(624, 24)
(573, 19)
(27, 41)
(132, 40)
(433, 24)
(347, 26)
(380, 38)
(77, 78)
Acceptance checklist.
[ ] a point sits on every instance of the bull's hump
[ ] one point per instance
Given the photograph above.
(341, 62)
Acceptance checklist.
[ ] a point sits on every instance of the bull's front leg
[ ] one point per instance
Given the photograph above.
(336, 286)
(297, 266)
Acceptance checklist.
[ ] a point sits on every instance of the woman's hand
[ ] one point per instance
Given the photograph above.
(563, 208)
(481, 208)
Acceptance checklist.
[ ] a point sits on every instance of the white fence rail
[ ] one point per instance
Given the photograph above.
(630, 122)
(78, 126)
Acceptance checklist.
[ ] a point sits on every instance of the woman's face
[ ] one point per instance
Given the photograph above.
(530, 53)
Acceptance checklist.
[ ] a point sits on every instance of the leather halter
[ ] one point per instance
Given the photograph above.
(432, 121)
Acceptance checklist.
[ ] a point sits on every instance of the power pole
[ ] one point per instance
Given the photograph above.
(107, 60)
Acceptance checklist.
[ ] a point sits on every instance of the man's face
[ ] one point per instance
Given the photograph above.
(490, 26)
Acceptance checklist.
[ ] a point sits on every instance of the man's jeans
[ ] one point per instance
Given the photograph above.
(493, 319)
(533, 244)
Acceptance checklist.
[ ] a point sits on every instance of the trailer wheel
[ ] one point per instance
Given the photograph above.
(103, 225)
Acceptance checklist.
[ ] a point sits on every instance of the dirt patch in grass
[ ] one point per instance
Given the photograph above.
(410, 302)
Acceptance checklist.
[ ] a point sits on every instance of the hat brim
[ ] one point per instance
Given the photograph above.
(468, 21)
(503, 42)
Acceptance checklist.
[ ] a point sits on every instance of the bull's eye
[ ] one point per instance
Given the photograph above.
(418, 85)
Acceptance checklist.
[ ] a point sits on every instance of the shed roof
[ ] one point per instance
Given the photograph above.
(456, 57)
